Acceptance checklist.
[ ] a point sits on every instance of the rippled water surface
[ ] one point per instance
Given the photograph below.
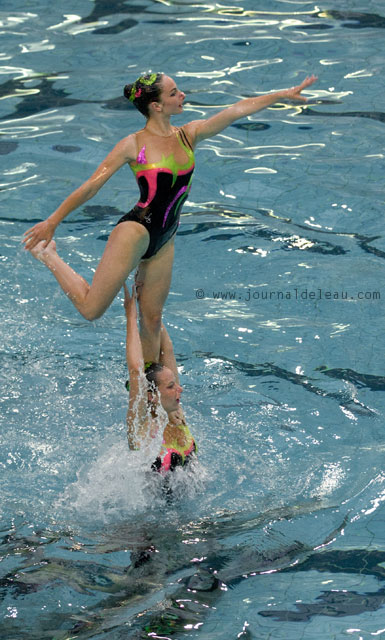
(276, 312)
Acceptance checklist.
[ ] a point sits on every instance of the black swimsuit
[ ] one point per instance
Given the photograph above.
(164, 186)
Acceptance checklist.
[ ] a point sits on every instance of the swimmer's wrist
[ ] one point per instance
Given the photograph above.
(54, 220)
(278, 95)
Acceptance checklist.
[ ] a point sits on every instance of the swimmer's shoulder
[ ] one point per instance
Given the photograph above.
(191, 130)
(128, 147)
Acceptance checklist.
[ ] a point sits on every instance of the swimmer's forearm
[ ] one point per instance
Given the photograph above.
(136, 436)
(134, 352)
(241, 109)
(199, 130)
(167, 356)
(248, 106)
(137, 401)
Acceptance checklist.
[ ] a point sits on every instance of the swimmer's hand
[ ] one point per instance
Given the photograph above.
(130, 303)
(42, 231)
(177, 417)
(295, 92)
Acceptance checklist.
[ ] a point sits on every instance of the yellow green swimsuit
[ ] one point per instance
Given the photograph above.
(173, 455)
(164, 186)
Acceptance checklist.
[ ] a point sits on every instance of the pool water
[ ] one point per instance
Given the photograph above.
(276, 313)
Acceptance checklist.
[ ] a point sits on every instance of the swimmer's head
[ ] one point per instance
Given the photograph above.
(162, 386)
(152, 370)
(145, 90)
(168, 388)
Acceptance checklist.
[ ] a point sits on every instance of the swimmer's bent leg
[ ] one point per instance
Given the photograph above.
(125, 246)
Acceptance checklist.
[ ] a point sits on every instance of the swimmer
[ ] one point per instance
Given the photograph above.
(161, 387)
(161, 157)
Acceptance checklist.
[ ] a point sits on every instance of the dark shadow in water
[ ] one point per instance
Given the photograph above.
(87, 213)
(373, 115)
(242, 43)
(104, 8)
(251, 126)
(204, 587)
(346, 19)
(356, 19)
(364, 244)
(268, 369)
(337, 603)
(374, 383)
(66, 148)
(47, 98)
(99, 212)
(116, 28)
(311, 27)
(7, 147)
(259, 230)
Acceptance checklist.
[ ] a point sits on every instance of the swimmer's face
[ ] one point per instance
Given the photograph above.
(169, 390)
(171, 98)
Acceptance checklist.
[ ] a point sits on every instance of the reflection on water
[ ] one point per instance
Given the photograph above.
(192, 560)
(277, 532)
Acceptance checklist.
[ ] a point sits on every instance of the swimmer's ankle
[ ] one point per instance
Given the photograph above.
(44, 253)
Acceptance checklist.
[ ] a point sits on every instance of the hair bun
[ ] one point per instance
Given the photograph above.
(127, 91)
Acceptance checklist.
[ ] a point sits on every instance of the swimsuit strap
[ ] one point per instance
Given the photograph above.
(184, 141)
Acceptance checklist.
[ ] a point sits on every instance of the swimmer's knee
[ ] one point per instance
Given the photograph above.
(152, 320)
(91, 314)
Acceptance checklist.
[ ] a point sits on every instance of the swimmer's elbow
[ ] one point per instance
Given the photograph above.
(87, 191)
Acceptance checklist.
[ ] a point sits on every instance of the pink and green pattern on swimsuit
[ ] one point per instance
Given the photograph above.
(172, 447)
(150, 171)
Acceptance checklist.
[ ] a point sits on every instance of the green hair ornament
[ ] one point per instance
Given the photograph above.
(147, 81)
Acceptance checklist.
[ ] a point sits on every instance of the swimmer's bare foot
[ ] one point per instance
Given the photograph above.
(44, 253)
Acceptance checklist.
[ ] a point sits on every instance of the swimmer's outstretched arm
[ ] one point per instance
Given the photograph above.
(201, 129)
(124, 151)
(167, 359)
(137, 420)
(167, 356)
